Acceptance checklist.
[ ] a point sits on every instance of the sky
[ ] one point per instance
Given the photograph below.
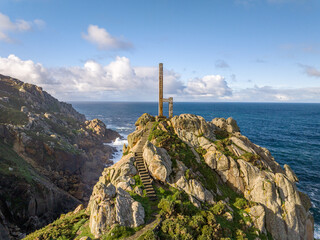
(212, 50)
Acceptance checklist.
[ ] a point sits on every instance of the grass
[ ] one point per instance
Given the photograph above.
(118, 232)
(13, 116)
(10, 159)
(66, 227)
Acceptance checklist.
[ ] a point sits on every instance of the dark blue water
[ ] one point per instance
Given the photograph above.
(290, 131)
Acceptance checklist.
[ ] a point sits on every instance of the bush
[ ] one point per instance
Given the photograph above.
(218, 208)
(241, 203)
(166, 206)
(119, 232)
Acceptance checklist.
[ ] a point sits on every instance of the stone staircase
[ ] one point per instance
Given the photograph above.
(141, 166)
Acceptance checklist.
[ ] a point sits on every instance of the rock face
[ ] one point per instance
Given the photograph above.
(158, 162)
(55, 157)
(202, 171)
(109, 205)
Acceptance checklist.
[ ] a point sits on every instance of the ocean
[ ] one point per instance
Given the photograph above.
(291, 131)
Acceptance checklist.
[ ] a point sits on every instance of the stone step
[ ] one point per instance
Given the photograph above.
(145, 178)
(150, 191)
(142, 167)
(144, 174)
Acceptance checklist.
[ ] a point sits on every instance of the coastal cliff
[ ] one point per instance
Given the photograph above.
(50, 157)
(211, 182)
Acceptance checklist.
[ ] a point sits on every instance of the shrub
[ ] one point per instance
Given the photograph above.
(218, 208)
(166, 206)
(241, 203)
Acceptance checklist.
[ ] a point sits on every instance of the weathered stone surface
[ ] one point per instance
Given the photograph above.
(105, 211)
(192, 187)
(290, 174)
(134, 137)
(158, 161)
(144, 119)
(120, 171)
(230, 125)
(190, 128)
(259, 217)
(125, 186)
(128, 212)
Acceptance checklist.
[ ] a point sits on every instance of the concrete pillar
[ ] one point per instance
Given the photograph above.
(160, 114)
(170, 107)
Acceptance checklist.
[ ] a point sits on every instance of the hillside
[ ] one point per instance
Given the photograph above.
(208, 181)
(50, 157)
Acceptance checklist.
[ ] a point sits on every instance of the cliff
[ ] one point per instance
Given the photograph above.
(208, 181)
(50, 157)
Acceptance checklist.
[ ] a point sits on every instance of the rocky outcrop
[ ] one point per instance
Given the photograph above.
(111, 205)
(230, 125)
(250, 170)
(158, 162)
(56, 156)
(202, 171)
(193, 129)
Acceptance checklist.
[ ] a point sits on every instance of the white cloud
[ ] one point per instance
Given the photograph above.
(119, 80)
(26, 70)
(20, 25)
(210, 86)
(270, 94)
(104, 40)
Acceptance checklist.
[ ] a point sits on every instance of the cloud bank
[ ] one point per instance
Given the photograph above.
(104, 40)
(119, 80)
(19, 26)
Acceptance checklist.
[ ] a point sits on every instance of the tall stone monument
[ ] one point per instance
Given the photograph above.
(161, 99)
(160, 90)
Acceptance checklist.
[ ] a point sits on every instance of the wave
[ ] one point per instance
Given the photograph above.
(316, 231)
(118, 144)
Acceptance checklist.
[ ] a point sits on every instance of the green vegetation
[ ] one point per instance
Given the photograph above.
(10, 159)
(182, 220)
(118, 232)
(13, 116)
(148, 235)
(64, 228)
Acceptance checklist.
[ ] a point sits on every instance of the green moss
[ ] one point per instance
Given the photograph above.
(63, 228)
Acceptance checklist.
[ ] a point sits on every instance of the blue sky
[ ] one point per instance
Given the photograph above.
(227, 50)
